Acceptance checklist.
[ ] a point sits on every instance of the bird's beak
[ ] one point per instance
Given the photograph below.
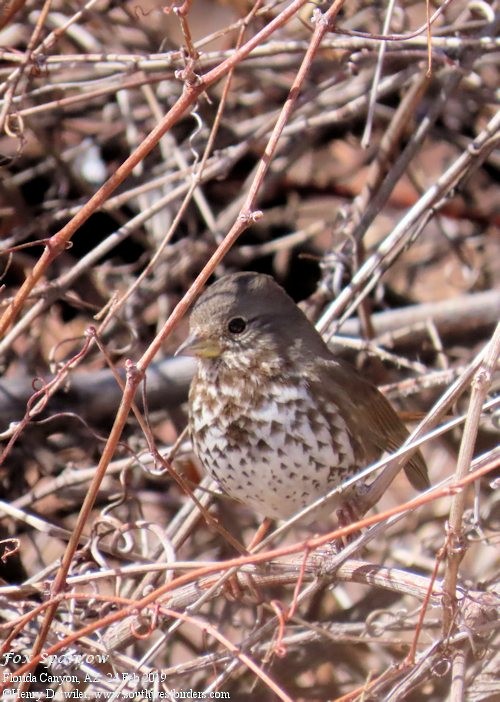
(200, 346)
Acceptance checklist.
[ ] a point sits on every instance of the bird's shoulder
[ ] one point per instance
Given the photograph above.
(370, 412)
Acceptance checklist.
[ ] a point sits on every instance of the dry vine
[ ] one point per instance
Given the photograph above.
(350, 150)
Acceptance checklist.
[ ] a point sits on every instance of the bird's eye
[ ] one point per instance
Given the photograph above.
(236, 325)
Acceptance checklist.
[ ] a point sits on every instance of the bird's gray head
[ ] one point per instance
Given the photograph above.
(249, 316)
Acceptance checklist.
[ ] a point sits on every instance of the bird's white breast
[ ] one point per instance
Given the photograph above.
(270, 446)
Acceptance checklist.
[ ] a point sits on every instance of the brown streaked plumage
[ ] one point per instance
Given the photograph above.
(275, 418)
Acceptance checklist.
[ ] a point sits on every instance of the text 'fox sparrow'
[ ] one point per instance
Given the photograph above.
(274, 417)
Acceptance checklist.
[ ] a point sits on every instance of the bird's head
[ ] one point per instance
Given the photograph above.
(246, 319)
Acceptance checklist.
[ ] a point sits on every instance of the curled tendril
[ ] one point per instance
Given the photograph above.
(441, 667)
(11, 547)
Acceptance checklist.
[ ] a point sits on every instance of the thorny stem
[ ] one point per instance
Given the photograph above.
(135, 377)
(189, 95)
(455, 539)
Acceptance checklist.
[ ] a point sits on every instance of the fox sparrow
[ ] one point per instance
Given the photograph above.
(275, 418)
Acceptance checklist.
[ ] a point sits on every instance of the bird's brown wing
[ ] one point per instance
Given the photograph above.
(370, 416)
